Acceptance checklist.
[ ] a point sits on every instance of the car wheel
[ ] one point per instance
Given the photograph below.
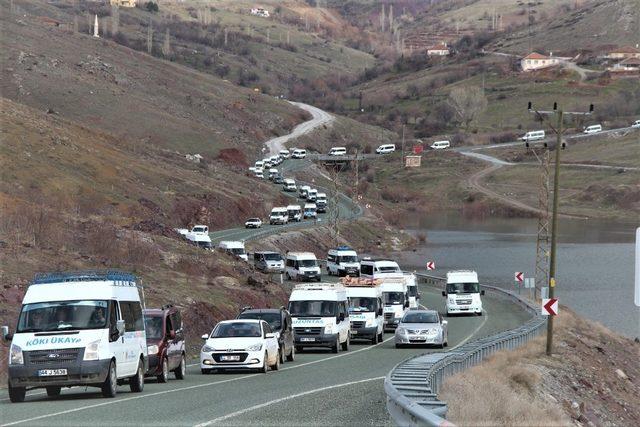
(336, 346)
(136, 383)
(345, 344)
(281, 355)
(318, 279)
(53, 391)
(398, 345)
(288, 277)
(181, 370)
(299, 349)
(111, 382)
(276, 366)
(479, 314)
(164, 373)
(17, 394)
(292, 355)
(265, 364)
(374, 340)
(381, 336)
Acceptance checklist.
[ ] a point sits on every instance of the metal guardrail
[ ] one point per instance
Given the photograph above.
(412, 385)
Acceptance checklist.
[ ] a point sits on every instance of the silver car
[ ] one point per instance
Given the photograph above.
(421, 327)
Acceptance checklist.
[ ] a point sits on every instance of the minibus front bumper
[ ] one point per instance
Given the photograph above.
(83, 372)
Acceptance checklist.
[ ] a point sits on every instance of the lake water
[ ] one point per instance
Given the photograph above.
(595, 269)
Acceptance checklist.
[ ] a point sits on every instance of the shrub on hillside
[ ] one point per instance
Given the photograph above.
(152, 7)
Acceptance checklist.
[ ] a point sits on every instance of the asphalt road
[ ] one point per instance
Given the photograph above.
(319, 388)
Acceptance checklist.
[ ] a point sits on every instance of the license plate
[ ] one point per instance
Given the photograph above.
(354, 332)
(232, 358)
(51, 372)
(307, 339)
(417, 338)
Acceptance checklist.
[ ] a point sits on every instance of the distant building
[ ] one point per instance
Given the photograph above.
(536, 61)
(123, 3)
(628, 65)
(440, 49)
(260, 11)
(624, 52)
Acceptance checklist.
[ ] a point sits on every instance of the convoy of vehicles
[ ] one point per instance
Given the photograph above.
(198, 235)
(421, 327)
(302, 266)
(165, 343)
(463, 293)
(320, 316)
(235, 248)
(343, 261)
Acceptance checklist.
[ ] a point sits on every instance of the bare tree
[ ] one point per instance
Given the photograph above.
(391, 17)
(115, 20)
(150, 37)
(166, 47)
(468, 103)
(382, 19)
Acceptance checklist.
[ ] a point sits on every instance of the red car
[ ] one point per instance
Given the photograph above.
(165, 343)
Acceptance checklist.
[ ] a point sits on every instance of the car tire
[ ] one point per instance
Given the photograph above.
(17, 394)
(398, 345)
(374, 339)
(164, 371)
(53, 391)
(265, 364)
(110, 384)
(479, 314)
(276, 366)
(281, 355)
(136, 382)
(345, 344)
(299, 349)
(336, 346)
(381, 336)
(181, 370)
(292, 355)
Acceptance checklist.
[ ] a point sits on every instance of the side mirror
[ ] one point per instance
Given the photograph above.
(6, 335)
(444, 294)
(341, 317)
(204, 336)
(172, 334)
(406, 304)
(482, 292)
(271, 335)
(120, 327)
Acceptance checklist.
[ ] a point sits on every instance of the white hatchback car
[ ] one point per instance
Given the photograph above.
(240, 344)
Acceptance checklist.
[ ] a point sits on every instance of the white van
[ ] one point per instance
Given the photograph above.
(294, 212)
(303, 191)
(343, 261)
(78, 329)
(273, 172)
(412, 290)
(289, 185)
(302, 266)
(320, 317)
(321, 202)
(533, 135)
(440, 145)
(234, 248)
(593, 129)
(386, 148)
(379, 268)
(636, 124)
(259, 173)
(259, 164)
(463, 293)
(365, 311)
(285, 154)
(312, 194)
(338, 151)
(310, 210)
(395, 298)
(279, 215)
(299, 153)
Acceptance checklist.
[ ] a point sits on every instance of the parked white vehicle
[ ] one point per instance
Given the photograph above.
(365, 311)
(198, 235)
(412, 290)
(72, 332)
(379, 268)
(395, 298)
(338, 151)
(285, 154)
(636, 124)
(343, 261)
(310, 210)
(234, 247)
(312, 195)
(302, 266)
(289, 185)
(294, 212)
(321, 202)
(279, 215)
(440, 145)
(533, 135)
(593, 129)
(240, 344)
(299, 154)
(320, 317)
(463, 293)
(386, 149)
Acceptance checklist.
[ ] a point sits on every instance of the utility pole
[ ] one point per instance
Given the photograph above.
(402, 151)
(556, 189)
(356, 187)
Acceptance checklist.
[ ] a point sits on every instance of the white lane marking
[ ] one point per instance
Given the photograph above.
(282, 399)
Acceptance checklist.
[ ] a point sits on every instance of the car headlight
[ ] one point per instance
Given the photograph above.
(207, 349)
(16, 357)
(369, 323)
(328, 329)
(91, 351)
(432, 332)
(152, 350)
(452, 300)
(401, 331)
(255, 347)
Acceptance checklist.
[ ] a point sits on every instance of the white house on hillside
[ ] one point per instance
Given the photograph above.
(624, 52)
(536, 61)
(260, 11)
(440, 49)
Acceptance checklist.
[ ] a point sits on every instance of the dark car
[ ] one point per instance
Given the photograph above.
(280, 322)
(165, 342)
(278, 179)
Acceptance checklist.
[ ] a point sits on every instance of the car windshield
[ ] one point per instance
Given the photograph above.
(153, 327)
(237, 329)
(393, 297)
(413, 317)
(389, 269)
(313, 308)
(204, 244)
(63, 315)
(348, 258)
(366, 269)
(463, 288)
(307, 263)
(273, 257)
(273, 319)
(253, 220)
(362, 304)
(237, 251)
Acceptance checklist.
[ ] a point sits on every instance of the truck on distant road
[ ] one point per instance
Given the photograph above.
(198, 235)
(463, 293)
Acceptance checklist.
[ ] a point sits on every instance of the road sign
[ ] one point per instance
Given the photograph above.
(550, 306)
(519, 276)
(417, 149)
(431, 265)
(529, 282)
